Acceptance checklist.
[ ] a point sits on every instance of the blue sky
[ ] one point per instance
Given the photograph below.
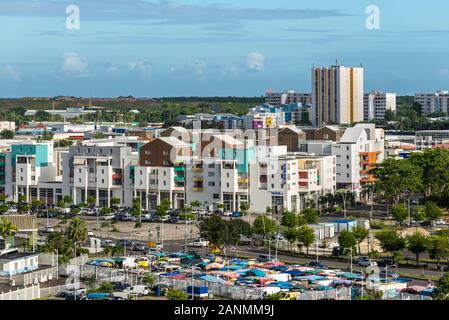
(153, 48)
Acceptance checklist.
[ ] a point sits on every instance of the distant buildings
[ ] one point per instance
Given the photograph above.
(433, 102)
(376, 104)
(7, 125)
(287, 97)
(337, 95)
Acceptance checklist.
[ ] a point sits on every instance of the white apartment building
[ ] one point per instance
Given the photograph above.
(433, 102)
(274, 98)
(31, 171)
(337, 95)
(7, 125)
(101, 170)
(376, 104)
(359, 148)
(161, 173)
(284, 181)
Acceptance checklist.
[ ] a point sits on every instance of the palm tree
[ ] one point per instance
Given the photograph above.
(7, 228)
(77, 231)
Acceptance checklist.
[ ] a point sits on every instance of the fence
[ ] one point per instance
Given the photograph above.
(41, 275)
(52, 291)
(27, 293)
(246, 293)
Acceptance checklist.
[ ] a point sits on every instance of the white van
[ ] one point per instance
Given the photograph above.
(139, 290)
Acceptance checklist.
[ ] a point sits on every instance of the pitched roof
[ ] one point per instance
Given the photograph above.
(175, 142)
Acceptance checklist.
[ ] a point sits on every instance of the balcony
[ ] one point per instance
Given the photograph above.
(179, 179)
(303, 175)
(197, 178)
(197, 189)
(197, 168)
(243, 180)
(117, 176)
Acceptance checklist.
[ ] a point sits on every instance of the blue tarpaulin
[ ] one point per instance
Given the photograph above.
(210, 278)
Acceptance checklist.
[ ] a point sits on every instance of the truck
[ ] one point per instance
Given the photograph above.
(139, 290)
(198, 292)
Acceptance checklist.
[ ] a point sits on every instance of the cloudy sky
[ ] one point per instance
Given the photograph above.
(153, 48)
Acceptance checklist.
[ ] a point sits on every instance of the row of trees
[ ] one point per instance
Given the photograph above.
(429, 212)
(424, 173)
(436, 245)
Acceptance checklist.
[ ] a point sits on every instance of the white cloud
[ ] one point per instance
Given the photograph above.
(255, 62)
(142, 66)
(74, 64)
(10, 72)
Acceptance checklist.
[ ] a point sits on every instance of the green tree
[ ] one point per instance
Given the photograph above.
(91, 201)
(148, 279)
(306, 237)
(244, 208)
(400, 213)
(290, 234)
(67, 199)
(442, 288)
(311, 215)
(419, 214)
(438, 248)
(7, 228)
(3, 208)
(77, 231)
(174, 294)
(390, 241)
(195, 204)
(347, 240)
(115, 201)
(163, 207)
(433, 212)
(114, 251)
(7, 134)
(289, 219)
(105, 287)
(264, 225)
(393, 176)
(417, 243)
(61, 204)
(433, 164)
(360, 234)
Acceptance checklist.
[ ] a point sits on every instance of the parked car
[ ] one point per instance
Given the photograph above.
(123, 243)
(107, 243)
(388, 274)
(236, 214)
(318, 265)
(386, 262)
(72, 292)
(244, 240)
(109, 217)
(119, 286)
(199, 243)
(139, 290)
(263, 258)
(440, 222)
(141, 247)
(227, 213)
(365, 261)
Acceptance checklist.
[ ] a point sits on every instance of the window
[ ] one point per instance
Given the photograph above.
(165, 183)
(211, 166)
(102, 171)
(148, 152)
(79, 170)
(102, 180)
(227, 185)
(33, 178)
(164, 173)
(165, 162)
(216, 196)
(79, 180)
(147, 161)
(211, 174)
(227, 175)
(164, 152)
(211, 184)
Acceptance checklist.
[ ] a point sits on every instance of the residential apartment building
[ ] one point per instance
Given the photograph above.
(359, 149)
(284, 181)
(376, 104)
(161, 173)
(31, 171)
(102, 170)
(287, 97)
(433, 102)
(337, 95)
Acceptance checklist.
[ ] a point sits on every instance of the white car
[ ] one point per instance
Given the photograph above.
(332, 245)
(227, 213)
(440, 222)
(90, 233)
(109, 217)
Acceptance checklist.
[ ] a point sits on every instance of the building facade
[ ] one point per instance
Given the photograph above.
(337, 95)
(376, 104)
